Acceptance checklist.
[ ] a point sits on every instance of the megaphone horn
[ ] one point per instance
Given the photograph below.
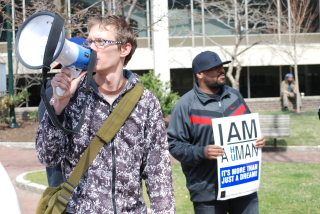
(31, 41)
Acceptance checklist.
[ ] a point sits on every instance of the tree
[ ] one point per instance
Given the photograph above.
(167, 97)
(75, 18)
(235, 19)
(241, 18)
(295, 19)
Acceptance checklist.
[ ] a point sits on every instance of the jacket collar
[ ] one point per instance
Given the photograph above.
(204, 98)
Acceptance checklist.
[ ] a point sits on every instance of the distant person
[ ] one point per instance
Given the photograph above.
(190, 136)
(288, 92)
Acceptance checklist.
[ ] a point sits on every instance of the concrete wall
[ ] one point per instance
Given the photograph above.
(22, 112)
(309, 103)
(181, 57)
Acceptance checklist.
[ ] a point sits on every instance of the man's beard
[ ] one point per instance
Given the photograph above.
(214, 85)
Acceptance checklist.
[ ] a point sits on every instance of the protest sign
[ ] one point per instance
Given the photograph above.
(240, 167)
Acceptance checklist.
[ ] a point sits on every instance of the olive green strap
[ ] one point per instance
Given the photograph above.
(105, 134)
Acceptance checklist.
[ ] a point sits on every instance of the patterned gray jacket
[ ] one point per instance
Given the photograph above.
(138, 151)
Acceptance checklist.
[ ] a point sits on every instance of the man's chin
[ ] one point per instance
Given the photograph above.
(221, 83)
(217, 85)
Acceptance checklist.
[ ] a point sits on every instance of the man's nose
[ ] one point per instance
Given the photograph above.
(93, 46)
(221, 70)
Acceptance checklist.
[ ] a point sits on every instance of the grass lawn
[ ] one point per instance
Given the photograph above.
(289, 188)
(285, 188)
(304, 130)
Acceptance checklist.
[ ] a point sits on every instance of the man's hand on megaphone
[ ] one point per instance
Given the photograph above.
(66, 82)
(63, 80)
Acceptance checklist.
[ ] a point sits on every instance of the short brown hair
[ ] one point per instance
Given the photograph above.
(124, 33)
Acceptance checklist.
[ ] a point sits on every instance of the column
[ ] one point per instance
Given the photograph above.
(160, 39)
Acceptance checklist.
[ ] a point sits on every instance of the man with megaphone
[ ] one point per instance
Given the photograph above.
(138, 150)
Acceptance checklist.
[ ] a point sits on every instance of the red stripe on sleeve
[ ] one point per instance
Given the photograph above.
(201, 120)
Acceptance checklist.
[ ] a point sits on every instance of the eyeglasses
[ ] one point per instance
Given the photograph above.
(98, 42)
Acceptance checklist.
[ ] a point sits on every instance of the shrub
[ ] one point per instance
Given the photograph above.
(33, 115)
(167, 97)
(4, 112)
(11, 100)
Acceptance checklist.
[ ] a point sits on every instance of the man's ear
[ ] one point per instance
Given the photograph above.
(199, 75)
(125, 49)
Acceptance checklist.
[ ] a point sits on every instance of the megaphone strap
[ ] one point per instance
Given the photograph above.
(53, 40)
(57, 26)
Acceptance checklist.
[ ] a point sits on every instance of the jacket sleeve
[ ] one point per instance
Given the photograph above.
(156, 166)
(53, 144)
(50, 142)
(284, 88)
(180, 136)
(244, 102)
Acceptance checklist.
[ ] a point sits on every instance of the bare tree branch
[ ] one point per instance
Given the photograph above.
(298, 17)
(76, 23)
(240, 19)
(131, 10)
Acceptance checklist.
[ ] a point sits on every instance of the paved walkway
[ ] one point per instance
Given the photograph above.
(18, 160)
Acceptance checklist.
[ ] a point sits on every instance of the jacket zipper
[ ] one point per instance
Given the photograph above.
(220, 106)
(113, 185)
(113, 179)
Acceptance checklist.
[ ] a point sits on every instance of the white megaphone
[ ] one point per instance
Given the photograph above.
(32, 39)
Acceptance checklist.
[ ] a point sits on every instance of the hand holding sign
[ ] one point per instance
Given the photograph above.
(260, 142)
(212, 151)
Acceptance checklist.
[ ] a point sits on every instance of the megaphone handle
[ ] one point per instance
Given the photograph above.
(74, 74)
(60, 91)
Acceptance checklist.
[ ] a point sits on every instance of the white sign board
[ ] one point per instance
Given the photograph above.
(3, 79)
(240, 167)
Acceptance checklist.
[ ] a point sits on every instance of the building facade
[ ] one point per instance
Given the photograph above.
(171, 33)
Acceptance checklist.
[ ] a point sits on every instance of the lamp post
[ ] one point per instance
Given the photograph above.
(13, 123)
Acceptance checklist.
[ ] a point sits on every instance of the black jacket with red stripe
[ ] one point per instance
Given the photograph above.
(190, 130)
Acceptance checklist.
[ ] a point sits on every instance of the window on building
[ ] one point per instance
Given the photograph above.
(197, 19)
(262, 17)
(179, 17)
(3, 35)
(309, 79)
(138, 19)
(219, 19)
(264, 81)
(243, 82)
(181, 80)
(314, 6)
(81, 10)
(140, 72)
(304, 18)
